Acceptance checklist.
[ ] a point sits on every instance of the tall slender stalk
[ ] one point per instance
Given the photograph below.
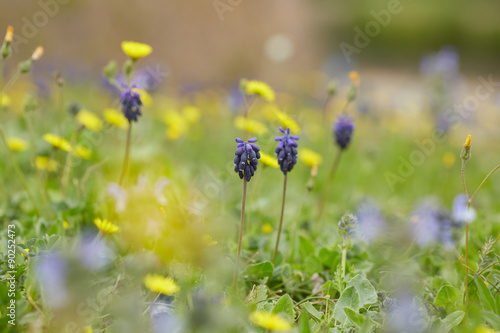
(466, 237)
(242, 223)
(281, 220)
(125, 158)
(333, 170)
(67, 164)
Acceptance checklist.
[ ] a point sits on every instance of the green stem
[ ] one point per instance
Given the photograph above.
(484, 180)
(281, 221)
(466, 238)
(125, 158)
(333, 170)
(344, 260)
(67, 164)
(240, 238)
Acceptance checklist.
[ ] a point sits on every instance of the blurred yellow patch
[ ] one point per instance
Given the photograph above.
(87, 329)
(57, 141)
(27, 250)
(449, 159)
(83, 152)
(269, 321)
(267, 228)
(5, 100)
(309, 157)
(89, 120)
(65, 225)
(176, 125)
(146, 98)
(269, 160)
(159, 284)
(116, 118)
(354, 76)
(136, 50)
(273, 113)
(208, 240)
(484, 329)
(105, 226)
(17, 144)
(250, 125)
(259, 88)
(191, 113)
(45, 163)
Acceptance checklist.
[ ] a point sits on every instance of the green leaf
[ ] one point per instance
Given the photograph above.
(451, 321)
(304, 325)
(306, 248)
(285, 305)
(366, 291)
(260, 270)
(492, 319)
(259, 294)
(484, 295)
(446, 295)
(356, 318)
(350, 299)
(311, 310)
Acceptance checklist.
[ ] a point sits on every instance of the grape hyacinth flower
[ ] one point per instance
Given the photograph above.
(245, 164)
(286, 151)
(343, 129)
(131, 104)
(247, 158)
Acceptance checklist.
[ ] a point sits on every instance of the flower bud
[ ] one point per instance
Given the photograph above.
(465, 155)
(25, 66)
(110, 70)
(37, 54)
(331, 88)
(9, 34)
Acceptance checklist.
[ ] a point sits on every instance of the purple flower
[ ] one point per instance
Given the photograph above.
(52, 271)
(286, 151)
(429, 225)
(131, 104)
(460, 213)
(343, 129)
(246, 159)
(370, 221)
(94, 254)
(406, 313)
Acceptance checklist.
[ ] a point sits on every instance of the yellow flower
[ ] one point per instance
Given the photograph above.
(4, 100)
(208, 240)
(269, 160)
(9, 34)
(272, 112)
(57, 142)
(65, 225)
(116, 118)
(354, 76)
(449, 160)
(270, 321)
(250, 125)
(89, 120)
(309, 157)
(17, 144)
(160, 284)
(267, 228)
(105, 226)
(191, 113)
(176, 125)
(136, 50)
(87, 329)
(37, 54)
(259, 88)
(146, 98)
(83, 152)
(467, 142)
(27, 250)
(45, 163)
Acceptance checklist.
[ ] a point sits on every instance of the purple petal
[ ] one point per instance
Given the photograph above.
(248, 147)
(252, 140)
(239, 140)
(240, 145)
(294, 137)
(279, 138)
(282, 130)
(288, 131)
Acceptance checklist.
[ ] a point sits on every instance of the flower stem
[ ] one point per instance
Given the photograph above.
(242, 222)
(67, 164)
(484, 180)
(125, 158)
(344, 261)
(281, 221)
(333, 170)
(466, 238)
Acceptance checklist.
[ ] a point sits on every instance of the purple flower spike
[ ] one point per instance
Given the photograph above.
(246, 159)
(131, 104)
(286, 151)
(343, 129)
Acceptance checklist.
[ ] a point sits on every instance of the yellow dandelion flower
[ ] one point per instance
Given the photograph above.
(146, 98)
(9, 34)
(160, 284)
(250, 125)
(116, 118)
(65, 225)
(45, 163)
(267, 228)
(191, 113)
(136, 50)
(259, 88)
(83, 152)
(309, 157)
(87, 329)
(27, 250)
(208, 240)
(270, 321)
(268, 160)
(176, 125)
(57, 141)
(4, 100)
(17, 144)
(467, 142)
(89, 120)
(449, 159)
(354, 76)
(105, 226)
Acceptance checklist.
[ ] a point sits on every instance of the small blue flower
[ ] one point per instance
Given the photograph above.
(286, 151)
(246, 159)
(460, 213)
(343, 129)
(131, 104)
(371, 222)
